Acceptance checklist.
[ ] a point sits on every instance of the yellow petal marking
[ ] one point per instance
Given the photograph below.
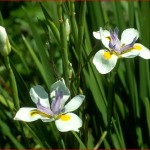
(107, 55)
(35, 112)
(137, 47)
(65, 117)
(108, 38)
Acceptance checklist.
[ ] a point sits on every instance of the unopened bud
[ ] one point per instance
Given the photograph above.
(5, 47)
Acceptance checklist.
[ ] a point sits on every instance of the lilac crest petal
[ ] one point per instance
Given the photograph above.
(116, 30)
(114, 43)
(46, 110)
(112, 35)
(55, 106)
(60, 87)
(128, 46)
(111, 45)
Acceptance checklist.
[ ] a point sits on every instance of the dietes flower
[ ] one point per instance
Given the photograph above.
(5, 47)
(58, 111)
(106, 59)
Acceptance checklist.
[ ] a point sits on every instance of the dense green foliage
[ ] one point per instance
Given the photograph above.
(116, 110)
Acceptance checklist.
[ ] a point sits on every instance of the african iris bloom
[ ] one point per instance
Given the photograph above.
(58, 111)
(105, 60)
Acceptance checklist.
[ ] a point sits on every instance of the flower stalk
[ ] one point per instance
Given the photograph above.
(13, 83)
(81, 29)
(100, 140)
(64, 48)
(79, 140)
(73, 22)
(5, 49)
(111, 96)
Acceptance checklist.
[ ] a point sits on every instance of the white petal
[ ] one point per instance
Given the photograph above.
(144, 52)
(130, 54)
(104, 65)
(105, 37)
(97, 35)
(38, 93)
(61, 87)
(74, 103)
(69, 122)
(138, 50)
(25, 114)
(128, 36)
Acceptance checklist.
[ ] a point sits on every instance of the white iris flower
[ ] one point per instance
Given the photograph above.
(106, 59)
(58, 111)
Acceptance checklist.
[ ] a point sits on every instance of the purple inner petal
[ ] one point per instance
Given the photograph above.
(56, 103)
(116, 30)
(111, 45)
(114, 43)
(112, 35)
(126, 47)
(46, 110)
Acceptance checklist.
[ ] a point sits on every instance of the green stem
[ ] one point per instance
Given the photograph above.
(79, 140)
(100, 140)
(111, 95)
(73, 23)
(15, 95)
(63, 38)
(13, 83)
(81, 31)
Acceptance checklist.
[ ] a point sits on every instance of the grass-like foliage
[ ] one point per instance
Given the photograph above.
(52, 41)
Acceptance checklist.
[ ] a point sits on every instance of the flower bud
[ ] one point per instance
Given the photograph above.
(5, 47)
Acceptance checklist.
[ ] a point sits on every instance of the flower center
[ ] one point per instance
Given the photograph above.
(108, 38)
(107, 55)
(137, 47)
(65, 117)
